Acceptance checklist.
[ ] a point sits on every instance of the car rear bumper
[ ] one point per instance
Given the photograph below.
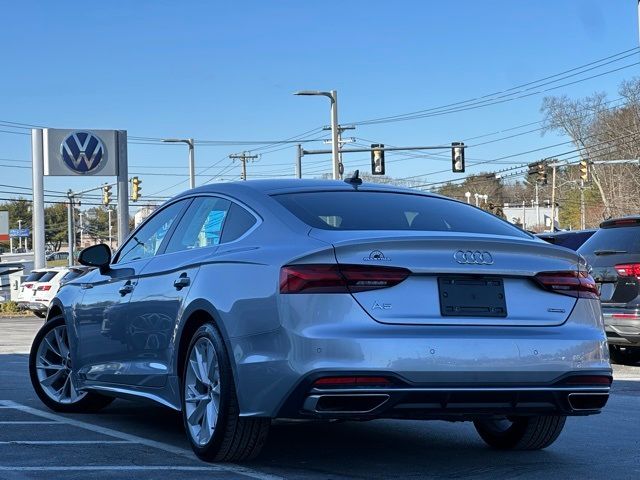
(403, 400)
(37, 306)
(622, 326)
(269, 367)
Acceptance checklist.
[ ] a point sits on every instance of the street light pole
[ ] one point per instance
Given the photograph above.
(192, 164)
(335, 141)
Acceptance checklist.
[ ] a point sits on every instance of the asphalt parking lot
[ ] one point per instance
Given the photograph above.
(132, 440)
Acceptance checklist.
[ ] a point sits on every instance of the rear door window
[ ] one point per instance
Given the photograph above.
(238, 222)
(201, 226)
(34, 276)
(367, 210)
(48, 276)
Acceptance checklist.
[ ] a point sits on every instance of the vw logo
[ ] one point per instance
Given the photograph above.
(474, 257)
(82, 152)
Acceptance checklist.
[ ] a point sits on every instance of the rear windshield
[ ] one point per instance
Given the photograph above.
(71, 274)
(361, 210)
(47, 276)
(623, 239)
(34, 276)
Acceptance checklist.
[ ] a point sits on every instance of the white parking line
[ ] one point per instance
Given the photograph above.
(238, 469)
(63, 442)
(28, 422)
(117, 468)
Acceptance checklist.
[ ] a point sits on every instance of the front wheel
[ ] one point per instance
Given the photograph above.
(210, 407)
(520, 433)
(50, 369)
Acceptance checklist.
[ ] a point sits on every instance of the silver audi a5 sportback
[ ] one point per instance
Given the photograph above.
(243, 302)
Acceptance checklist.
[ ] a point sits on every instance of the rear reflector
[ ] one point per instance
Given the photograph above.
(572, 283)
(314, 278)
(589, 380)
(629, 316)
(628, 269)
(351, 381)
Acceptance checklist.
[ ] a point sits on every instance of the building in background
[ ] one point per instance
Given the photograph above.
(142, 214)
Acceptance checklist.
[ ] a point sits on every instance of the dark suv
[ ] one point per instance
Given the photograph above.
(614, 254)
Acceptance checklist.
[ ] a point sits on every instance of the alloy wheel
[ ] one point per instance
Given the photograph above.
(53, 365)
(202, 391)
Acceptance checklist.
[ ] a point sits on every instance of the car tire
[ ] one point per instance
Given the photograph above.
(521, 433)
(210, 408)
(50, 370)
(624, 355)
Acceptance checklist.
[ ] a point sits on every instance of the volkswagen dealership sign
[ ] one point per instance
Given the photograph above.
(80, 152)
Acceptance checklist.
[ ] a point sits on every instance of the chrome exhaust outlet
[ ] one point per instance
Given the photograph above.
(587, 401)
(345, 403)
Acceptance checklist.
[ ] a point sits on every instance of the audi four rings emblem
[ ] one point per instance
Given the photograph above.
(475, 257)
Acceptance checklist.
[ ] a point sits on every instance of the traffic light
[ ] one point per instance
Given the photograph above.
(106, 195)
(584, 171)
(377, 159)
(135, 188)
(457, 157)
(542, 173)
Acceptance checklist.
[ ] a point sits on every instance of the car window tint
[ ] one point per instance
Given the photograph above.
(362, 210)
(201, 226)
(34, 276)
(626, 239)
(237, 223)
(146, 241)
(48, 276)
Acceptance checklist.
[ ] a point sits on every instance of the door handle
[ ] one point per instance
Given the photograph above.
(125, 289)
(182, 281)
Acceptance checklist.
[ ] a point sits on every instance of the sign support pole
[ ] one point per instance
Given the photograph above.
(123, 188)
(38, 240)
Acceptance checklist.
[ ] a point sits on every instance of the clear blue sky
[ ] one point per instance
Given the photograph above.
(227, 70)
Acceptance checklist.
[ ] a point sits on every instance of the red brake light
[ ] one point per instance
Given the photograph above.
(28, 285)
(572, 283)
(628, 269)
(44, 288)
(589, 380)
(351, 381)
(314, 278)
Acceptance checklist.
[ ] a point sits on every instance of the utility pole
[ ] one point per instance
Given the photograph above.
(110, 230)
(582, 210)
(524, 215)
(80, 214)
(71, 233)
(299, 162)
(553, 196)
(20, 236)
(243, 157)
(537, 204)
(341, 142)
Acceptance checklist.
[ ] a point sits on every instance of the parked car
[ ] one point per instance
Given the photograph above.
(25, 292)
(241, 302)
(614, 254)
(572, 239)
(48, 285)
(57, 256)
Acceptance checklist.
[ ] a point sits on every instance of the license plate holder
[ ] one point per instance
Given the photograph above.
(472, 297)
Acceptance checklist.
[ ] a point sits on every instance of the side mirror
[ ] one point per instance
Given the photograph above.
(96, 256)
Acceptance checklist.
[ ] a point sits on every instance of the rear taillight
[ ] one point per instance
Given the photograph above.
(28, 285)
(589, 380)
(572, 283)
(314, 278)
(352, 382)
(628, 269)
(44, 288)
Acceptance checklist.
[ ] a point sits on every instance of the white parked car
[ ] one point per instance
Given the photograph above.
(48, 285)
(25, 292)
